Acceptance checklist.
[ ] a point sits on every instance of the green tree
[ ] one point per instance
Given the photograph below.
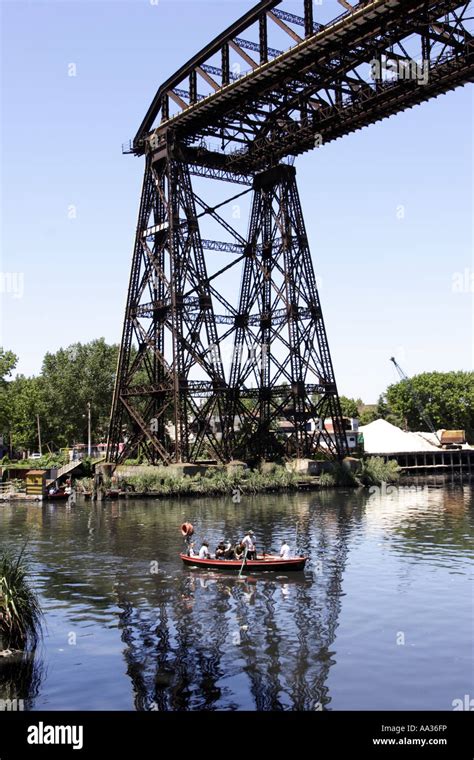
(370, 412)
(71, 378)
(24, 403)
(349, 406)
(8, 362)
(392, 414)
(446, 397)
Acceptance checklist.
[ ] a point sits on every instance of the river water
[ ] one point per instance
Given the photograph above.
(381, 619)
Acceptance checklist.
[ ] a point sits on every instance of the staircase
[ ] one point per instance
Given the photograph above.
(70, 466)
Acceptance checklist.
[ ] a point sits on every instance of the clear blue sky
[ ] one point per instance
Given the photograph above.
(387, 283)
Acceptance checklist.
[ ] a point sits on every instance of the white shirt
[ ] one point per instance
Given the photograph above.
(247, 541)
(285, 551)
(203, 552)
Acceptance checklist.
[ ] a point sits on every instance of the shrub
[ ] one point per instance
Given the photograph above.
(20, 611)
(85, 484)
(327, 480)
(344, 476)
(47, 461)
(376, 471)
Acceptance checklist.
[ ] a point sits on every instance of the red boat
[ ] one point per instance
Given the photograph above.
(58, 495)
(263, 562)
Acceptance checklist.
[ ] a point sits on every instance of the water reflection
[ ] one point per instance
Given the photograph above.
(184, 639)
(20, 678)
(425, 521)
(270, 634)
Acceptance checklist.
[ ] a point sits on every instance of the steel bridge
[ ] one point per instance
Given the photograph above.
(209, 368)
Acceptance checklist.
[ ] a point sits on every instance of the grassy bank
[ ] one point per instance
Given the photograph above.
(219, 481)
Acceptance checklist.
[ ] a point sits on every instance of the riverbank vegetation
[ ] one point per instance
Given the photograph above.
(20, 611)
(218, 481)
(372, 471)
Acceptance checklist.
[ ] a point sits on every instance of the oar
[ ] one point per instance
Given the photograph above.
(243, 562)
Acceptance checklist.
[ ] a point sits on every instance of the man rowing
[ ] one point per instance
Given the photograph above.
(248, 543)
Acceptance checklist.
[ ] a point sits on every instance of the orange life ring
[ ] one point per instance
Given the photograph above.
(187, 529)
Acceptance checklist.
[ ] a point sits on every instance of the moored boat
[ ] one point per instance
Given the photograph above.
(263, 562)
(58, 495)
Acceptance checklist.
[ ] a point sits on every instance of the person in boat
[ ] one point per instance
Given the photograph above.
(285, 550)
(239, 550)
(221, 550)
(191, 550)
(204, 550)
(248, 542)
(229, 550)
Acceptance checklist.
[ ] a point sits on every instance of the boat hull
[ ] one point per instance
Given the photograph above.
(267, 562)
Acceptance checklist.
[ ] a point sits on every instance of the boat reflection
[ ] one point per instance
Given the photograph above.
(213, 636)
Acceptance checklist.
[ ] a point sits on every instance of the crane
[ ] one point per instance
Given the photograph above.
(423, 414)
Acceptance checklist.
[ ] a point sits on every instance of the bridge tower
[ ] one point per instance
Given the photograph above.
(224, 352)
(174, 397)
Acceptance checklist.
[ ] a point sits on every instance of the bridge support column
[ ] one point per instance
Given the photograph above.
(174, 401)
(170, 388)
(287, 368)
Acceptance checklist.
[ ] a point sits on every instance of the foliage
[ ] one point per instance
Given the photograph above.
(376, 471)
(72, 378)
(20, 611)
(216, 481)
(25, 401)
(349, 406)
(327, 480)
(369, 414)
(69, 380)
(85, 484)
(344, 475)
(386, 412)
(447, 398)
(47, 461)
(219, 481)
(8, 362)
(85, 373)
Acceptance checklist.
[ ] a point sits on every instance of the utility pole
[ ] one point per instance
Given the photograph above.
(89, 447)
(39, 434)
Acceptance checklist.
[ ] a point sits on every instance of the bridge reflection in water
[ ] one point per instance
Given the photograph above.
(214, 636)
(121, 636)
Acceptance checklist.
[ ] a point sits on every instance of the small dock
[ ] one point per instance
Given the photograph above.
(449, 464)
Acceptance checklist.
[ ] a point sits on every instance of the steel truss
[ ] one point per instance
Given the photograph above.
(280, 368)
(178, 397)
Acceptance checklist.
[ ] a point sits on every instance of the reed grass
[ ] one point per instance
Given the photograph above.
(20, 610)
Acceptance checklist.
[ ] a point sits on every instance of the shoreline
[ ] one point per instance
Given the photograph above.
(407, 484)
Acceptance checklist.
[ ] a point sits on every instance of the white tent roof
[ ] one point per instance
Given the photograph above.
(380, 437)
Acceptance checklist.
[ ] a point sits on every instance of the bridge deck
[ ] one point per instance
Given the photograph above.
(321, 88)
